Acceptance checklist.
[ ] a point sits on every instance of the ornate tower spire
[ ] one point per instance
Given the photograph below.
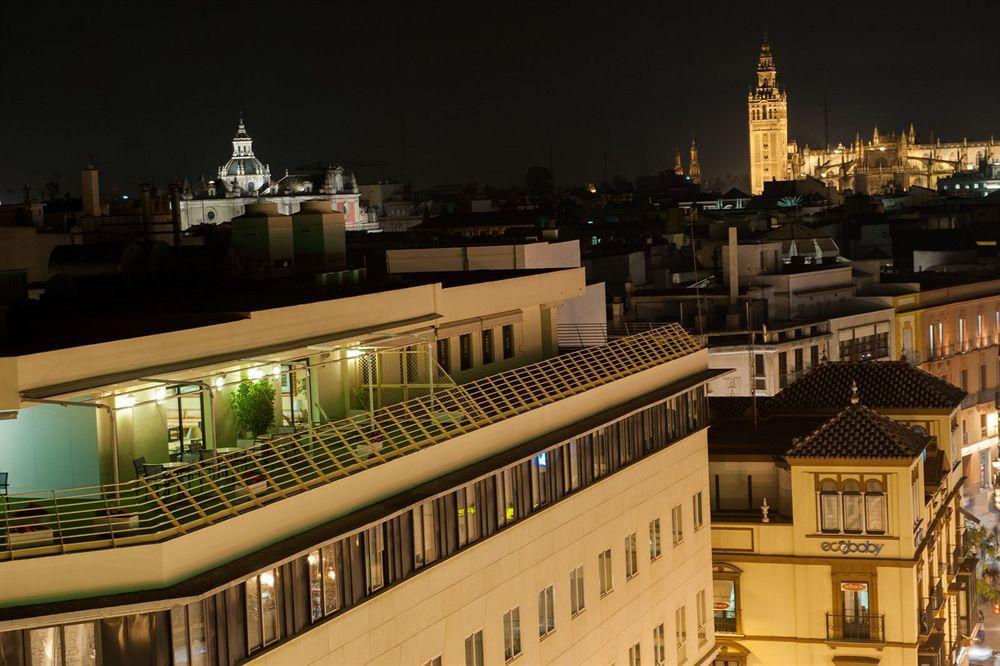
(678, 167)
(693, 169)
(767, 111)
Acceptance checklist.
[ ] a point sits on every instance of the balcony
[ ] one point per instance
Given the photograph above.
(192, 496)
(855, 629)
(578, 336)
(725, 621)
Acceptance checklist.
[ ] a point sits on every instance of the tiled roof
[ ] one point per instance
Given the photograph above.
(881, 385)
(859, 432)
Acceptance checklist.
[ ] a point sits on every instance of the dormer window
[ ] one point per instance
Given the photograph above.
(852, 506)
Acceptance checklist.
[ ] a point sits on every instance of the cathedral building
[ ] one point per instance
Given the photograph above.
(245, 179)
(884, 162)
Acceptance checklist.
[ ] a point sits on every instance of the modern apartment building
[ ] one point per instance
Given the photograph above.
(838, 532)
(436, 479)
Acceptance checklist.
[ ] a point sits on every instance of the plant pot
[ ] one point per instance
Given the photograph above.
(124, 520)
(31, 539)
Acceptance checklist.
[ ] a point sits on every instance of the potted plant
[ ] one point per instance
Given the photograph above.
(253, 408)
(29, 526)
(119, 517)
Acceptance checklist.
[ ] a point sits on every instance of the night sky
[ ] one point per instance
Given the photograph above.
(153, 89)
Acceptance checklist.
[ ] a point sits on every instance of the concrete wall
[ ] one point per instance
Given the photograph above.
(50, 447)
(430, 614)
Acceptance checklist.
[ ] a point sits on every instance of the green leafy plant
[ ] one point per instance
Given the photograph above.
(253, 406)
(985, 546)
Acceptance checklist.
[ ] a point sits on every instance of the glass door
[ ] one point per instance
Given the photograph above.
(854, 597)
(185, 422)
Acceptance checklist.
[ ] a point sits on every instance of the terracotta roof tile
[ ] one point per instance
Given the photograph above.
(859, 432)
(881, 385)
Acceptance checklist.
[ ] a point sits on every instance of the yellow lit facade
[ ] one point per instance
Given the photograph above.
(859, 561)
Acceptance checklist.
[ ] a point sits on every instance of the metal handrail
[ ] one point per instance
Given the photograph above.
(578, 335)
(855, 628)
(176, 501)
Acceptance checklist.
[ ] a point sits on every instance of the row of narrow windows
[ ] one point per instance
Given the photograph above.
(279, 603)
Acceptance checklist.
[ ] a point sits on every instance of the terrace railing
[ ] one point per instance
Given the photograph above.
(577, 336)
(179, 500)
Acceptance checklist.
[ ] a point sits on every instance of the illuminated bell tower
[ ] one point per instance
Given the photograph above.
(767, 117)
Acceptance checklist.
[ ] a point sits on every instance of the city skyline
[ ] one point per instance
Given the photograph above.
(482, 118)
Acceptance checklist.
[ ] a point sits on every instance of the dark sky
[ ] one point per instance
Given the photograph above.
(153, 89)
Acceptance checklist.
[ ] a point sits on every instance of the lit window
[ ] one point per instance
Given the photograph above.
(261, 610)
(187, 632)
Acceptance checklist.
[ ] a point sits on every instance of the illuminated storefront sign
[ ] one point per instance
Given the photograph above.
(852, 547)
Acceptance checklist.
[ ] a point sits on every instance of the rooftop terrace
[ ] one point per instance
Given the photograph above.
(192, 496)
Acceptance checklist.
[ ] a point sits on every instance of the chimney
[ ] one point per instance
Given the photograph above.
(734, 271)
(91, 191)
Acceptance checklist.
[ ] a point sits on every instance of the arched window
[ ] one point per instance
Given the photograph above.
(829, 506)
(853, 507)
(874, 506)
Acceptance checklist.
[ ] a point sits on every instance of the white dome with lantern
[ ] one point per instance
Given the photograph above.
(244, 174)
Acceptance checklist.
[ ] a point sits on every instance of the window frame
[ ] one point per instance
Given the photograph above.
(655, 540)
(577, 592)
(546, 612)
(606, 574)
(512, 634)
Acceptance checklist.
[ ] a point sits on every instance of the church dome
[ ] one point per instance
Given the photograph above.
(250, 166)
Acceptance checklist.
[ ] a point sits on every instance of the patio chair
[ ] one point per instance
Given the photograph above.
(139, 464)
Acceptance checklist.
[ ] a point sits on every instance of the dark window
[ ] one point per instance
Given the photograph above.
(487, 346)
(465, 350)
(798, 361)
(783, 368)
(444, 354)
(814, 355)
(508, 341)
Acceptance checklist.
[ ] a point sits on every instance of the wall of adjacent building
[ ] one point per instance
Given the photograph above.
(431, 614)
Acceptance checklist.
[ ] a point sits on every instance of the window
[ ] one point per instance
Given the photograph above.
(546, 612)
(604, 570)
(507, 338)
(702, 609)
(783, 369)
(853, 509)
(374, 551)
(487, 346)
(68, 645)
(699, 516)
(576, 601)
(654, 539)
(760, 377)
(964, 379)
(961, 332)
(474, 650)
(631, 559)
(261, 611)
(659, 646)
(856, 507)
(874, 507)
(799, 362)
(444, 354)
(829, 506)
(930, 342)
(436, 661)
(511, 634)
(680, 629)
(634, 658)
(187, 633)
(814, 356)
(677, 524)
(465, 351)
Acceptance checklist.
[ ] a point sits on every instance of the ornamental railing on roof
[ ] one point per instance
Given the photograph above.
(173, 502)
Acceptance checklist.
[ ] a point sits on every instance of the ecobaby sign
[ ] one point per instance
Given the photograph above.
(845, 547)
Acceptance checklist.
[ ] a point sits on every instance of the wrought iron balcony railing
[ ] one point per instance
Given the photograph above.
(725, 621)
(855, 628)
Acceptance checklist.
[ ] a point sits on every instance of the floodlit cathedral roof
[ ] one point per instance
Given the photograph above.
(243, 162)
